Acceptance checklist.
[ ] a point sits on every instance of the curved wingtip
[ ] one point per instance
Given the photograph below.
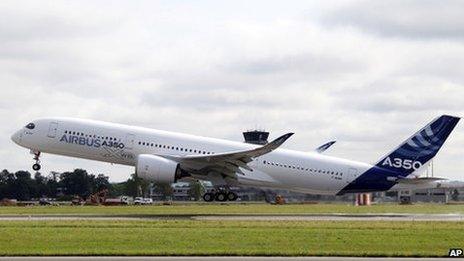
(325, 146)
(288, 135)
(280, 140)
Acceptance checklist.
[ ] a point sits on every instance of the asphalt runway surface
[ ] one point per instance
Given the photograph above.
(220, 258)
(302, 217)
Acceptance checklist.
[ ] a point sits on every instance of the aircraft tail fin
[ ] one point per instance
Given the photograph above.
(420, 147)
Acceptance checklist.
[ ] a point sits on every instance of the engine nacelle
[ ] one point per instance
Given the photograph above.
(158, 169)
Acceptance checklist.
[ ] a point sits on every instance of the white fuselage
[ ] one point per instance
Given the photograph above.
(121, 144)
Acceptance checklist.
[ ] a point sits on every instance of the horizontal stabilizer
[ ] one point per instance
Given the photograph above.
(417, 181)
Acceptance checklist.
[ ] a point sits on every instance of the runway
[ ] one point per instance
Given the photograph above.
(209, 258)
(302, 217)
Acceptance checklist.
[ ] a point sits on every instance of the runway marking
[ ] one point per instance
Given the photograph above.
(305, 217)
(210, 258)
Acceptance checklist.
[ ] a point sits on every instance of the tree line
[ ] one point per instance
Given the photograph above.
(21, 185)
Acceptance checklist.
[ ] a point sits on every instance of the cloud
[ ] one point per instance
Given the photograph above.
(390, 96)
(412, 19)
(301, 63)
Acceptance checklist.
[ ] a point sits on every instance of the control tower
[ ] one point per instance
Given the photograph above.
(256, 137)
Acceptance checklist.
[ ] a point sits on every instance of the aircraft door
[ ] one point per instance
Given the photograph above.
(130, 139)
(52, 128)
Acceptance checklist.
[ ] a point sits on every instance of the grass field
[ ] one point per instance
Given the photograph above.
(249, 209)
(287, 238)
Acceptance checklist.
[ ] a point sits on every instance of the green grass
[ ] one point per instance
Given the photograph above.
(224, 209)
(285, 238)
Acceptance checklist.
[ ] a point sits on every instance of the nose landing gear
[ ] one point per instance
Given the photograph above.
(36, 165)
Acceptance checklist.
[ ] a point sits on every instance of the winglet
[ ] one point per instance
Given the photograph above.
(279, 141)
(325, 146)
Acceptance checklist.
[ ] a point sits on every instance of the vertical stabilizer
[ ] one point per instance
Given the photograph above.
(420, 147)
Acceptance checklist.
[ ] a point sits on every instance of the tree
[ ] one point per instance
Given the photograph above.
(101, 182)
(22, 186)
(196, 190)
(5, 176)
(133, 184)
(164, 189)
(78, 182)
(41, 185)
(117, 189)
(455, 195)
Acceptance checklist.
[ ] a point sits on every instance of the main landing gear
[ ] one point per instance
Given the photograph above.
(220, 195)
(36, 165)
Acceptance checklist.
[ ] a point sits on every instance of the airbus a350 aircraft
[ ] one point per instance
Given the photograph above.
(167, 157)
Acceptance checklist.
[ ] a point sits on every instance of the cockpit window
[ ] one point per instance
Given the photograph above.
(30, 126)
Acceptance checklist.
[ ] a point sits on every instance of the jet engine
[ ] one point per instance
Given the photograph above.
(159, 169)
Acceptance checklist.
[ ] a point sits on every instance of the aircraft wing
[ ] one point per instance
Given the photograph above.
(325, 146)
(227, 163)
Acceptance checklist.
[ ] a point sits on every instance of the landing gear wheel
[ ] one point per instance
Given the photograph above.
(232, 196)
(208, 197)
(221, 196)
(36, 167)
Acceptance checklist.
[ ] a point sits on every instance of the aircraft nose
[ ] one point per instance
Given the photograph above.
(16, 137)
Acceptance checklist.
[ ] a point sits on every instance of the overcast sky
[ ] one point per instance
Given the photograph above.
(367, 73)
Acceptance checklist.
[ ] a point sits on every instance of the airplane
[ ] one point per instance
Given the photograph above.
(167, 157)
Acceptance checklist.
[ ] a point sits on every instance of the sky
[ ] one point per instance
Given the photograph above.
(366, 73)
